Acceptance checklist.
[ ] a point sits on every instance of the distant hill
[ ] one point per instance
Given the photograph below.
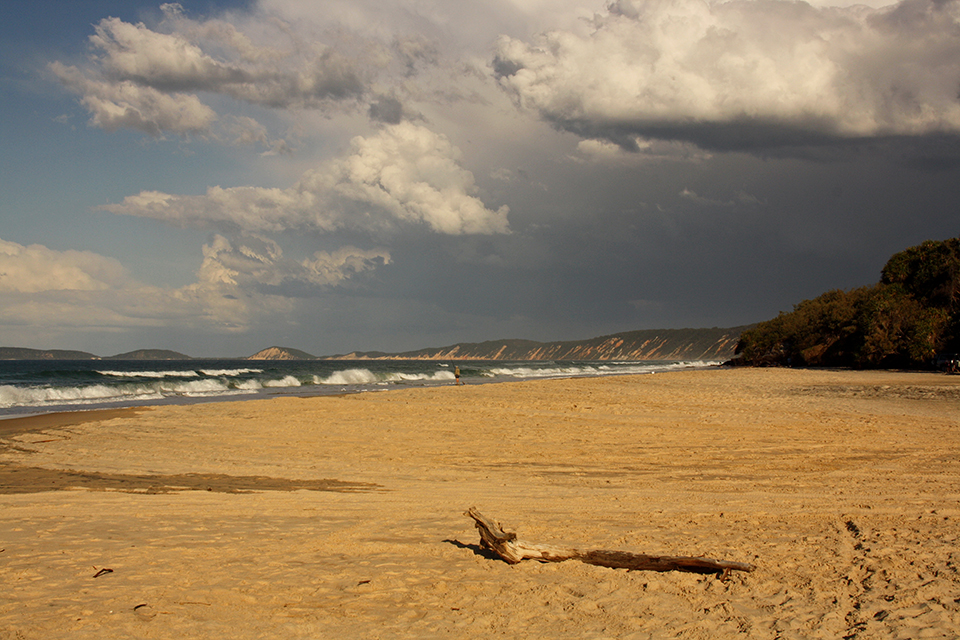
(20, 353)
(150, 354)
(652, 344)
(281, 353)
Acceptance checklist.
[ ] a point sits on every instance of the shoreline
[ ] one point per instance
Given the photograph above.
(339, 388)
(342, 516)
(77, 412)
(58, 419)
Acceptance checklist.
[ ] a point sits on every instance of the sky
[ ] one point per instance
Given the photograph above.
(216, 177)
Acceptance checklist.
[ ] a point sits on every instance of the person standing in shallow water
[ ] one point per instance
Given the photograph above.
(456, 374)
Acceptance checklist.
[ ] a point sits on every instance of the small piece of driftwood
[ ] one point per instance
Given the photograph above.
(506, 545)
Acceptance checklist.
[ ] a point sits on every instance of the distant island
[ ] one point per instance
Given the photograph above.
(282, 353)
(20, 353)
(652, 344)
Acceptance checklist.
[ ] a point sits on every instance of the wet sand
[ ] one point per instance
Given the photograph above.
(342, 516)
(40, 422)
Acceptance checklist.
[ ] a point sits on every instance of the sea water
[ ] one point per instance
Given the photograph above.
(44, 386)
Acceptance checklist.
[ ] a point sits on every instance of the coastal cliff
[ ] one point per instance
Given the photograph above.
(653, 344)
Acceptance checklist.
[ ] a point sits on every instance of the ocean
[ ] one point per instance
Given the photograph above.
(30, 387)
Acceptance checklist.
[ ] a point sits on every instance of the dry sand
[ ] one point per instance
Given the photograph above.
(341, 517)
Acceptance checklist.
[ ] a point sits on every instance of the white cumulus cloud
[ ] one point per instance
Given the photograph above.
(744, 73)
(124, 104)
(151, 78)
(257, 263)
(239, 283)
(171, 62)
(43, 287)
(405, 173)
(35, 268)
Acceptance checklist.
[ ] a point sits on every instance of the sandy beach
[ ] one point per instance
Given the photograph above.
(342, 517)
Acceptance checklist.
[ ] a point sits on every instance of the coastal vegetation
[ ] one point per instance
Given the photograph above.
(908, 319)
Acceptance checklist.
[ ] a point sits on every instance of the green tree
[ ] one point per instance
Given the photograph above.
(930, 272)
(818, 331)
(895, 329)
(905, 320)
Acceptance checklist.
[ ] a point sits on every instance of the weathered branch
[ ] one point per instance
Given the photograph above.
(506, 545)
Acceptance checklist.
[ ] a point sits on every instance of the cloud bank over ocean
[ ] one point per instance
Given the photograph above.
(412, 173)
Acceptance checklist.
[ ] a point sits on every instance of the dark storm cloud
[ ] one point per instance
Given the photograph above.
(386, 109)
(672, 163)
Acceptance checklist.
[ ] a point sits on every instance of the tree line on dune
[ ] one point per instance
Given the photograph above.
(910, 319)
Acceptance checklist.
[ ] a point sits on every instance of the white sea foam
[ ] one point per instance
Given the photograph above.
(150, 386)
(605, 369)
(365, 376)
(11, 396)
(230, 373)
(150, 374)
(349, 376)
(194, 388)
(414, 377)
(552, 372)
(696, 364)
(286, 381)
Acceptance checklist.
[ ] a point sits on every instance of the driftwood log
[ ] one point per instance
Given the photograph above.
(506, 545)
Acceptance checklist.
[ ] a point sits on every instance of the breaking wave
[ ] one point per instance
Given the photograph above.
(61, 386)
(593, 369)
(150, 374)
(231, 373)
(366, 376)
(11, 396)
